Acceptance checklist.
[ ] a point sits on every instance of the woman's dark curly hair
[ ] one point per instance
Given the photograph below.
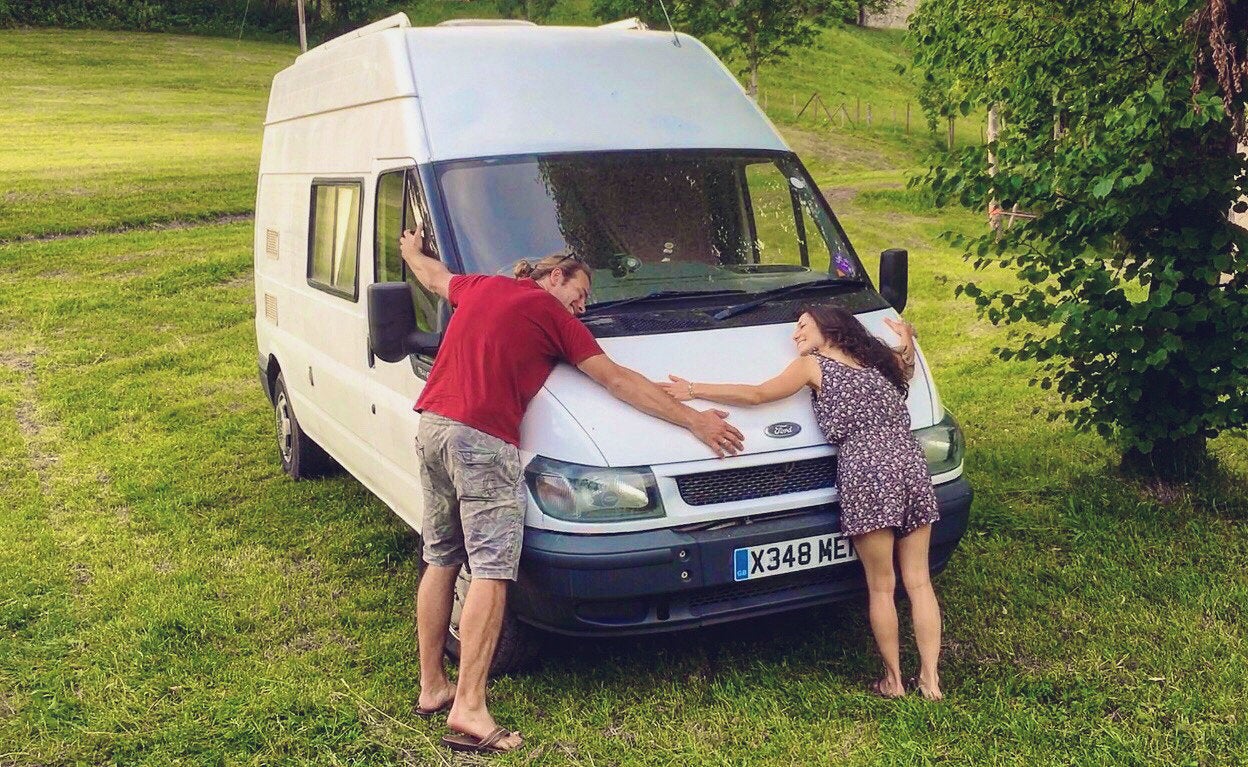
(842, 330)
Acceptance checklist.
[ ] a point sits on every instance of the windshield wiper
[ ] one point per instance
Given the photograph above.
(768, 296)
(657, 295)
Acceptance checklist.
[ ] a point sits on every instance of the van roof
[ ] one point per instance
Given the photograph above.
(496, 90)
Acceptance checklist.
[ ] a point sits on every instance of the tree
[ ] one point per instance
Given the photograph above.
(751, 32)
(1131, 279)
(872, 6)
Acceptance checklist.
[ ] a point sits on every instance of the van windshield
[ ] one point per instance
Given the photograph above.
(721, 222)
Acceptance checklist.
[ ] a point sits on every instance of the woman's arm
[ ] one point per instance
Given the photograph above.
(904, 352)
(803, 371)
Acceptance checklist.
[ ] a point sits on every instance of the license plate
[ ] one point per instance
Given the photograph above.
(791, 556)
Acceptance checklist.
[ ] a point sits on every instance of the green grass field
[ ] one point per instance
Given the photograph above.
(167, 596)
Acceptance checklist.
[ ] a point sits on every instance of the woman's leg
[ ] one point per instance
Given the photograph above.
(875, 550)
(912, 553)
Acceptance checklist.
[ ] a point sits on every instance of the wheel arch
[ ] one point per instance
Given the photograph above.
(272, 369)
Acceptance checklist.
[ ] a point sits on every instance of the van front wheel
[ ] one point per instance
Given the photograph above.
(518, 644)
(301, 457)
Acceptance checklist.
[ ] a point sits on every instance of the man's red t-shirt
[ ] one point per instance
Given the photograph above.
(503, 340)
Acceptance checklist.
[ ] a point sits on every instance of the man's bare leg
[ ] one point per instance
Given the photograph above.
(479, 624)
(434, 598)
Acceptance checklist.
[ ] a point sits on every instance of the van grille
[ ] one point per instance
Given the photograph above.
(757, 481)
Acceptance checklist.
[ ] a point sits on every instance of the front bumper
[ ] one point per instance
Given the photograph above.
(667, 580)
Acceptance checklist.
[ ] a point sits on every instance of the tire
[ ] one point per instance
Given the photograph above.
(301, 457)
(518, 644)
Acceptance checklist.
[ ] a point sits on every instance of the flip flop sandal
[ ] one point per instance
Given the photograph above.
(428, 712)
(471, 744)
(877, 689)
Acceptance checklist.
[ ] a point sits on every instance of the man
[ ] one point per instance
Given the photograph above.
(505, 337)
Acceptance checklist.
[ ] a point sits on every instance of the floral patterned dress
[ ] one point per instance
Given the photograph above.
(881, 472)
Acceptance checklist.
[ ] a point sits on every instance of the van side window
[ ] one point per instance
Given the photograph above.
(395, 192)
(778, 220)
(334, 237)
(786, 223)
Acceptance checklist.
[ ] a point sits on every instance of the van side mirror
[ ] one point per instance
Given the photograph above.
(392, 333)
(895, 277)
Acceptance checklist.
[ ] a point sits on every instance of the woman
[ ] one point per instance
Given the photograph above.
(858, 389)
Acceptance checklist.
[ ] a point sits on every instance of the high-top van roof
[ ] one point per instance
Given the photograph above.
(494, 90)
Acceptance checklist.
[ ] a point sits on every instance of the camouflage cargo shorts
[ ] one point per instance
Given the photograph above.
(474, 498)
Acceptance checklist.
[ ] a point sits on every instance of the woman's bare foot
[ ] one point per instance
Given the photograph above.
(929, 688)
(479, 724)
(887, 688)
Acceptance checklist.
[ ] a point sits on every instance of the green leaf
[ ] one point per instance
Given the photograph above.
(1103, 187)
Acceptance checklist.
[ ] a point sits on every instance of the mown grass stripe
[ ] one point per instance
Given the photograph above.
(208, 219)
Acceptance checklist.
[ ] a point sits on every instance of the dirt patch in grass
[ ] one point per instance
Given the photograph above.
(22, 363)
(238, 281)
(81, 573)
(821, 148)
(839, 194)
(28, 422)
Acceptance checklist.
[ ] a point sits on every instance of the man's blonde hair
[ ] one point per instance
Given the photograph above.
(570, 263)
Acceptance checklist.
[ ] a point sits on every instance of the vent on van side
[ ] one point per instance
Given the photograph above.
(271, 243)
(270, 307)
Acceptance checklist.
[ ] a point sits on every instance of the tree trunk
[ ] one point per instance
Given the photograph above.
(1171, 460)
(753, 57)
(862, 14)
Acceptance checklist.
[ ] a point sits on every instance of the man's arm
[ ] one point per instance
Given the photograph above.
(431, 272)
(630, 386)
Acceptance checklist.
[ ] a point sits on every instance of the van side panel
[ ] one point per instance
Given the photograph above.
(337, 118)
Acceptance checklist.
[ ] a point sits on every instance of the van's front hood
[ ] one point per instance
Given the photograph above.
(574, 419)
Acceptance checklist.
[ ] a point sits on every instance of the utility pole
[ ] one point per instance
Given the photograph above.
(303, 32)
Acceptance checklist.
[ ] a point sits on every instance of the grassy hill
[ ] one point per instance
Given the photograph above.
(167, 596)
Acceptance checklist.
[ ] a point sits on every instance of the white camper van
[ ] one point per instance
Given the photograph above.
(707, 236)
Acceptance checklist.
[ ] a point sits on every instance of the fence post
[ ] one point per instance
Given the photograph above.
(857, 110)
(824, 107)
(303, 30)
(907, 118)
(813, 96)
(868, 114)
(951, 126)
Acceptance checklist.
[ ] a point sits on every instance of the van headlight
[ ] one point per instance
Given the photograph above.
(576, 493)
(942, 444)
